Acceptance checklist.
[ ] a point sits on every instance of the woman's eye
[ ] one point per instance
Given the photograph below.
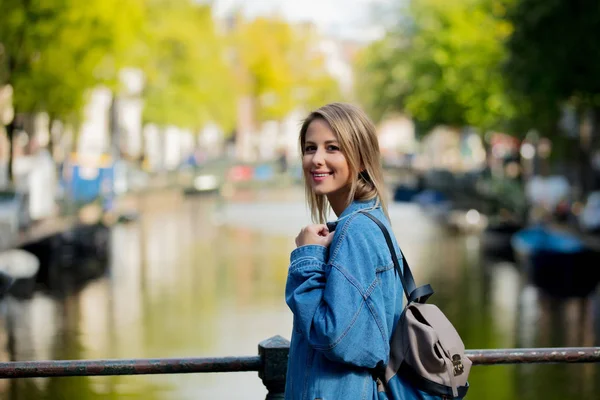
(332, 148)
(309, 149)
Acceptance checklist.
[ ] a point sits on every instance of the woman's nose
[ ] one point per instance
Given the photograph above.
(318, 158)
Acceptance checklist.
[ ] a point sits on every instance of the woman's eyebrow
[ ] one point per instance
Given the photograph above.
(326, 142)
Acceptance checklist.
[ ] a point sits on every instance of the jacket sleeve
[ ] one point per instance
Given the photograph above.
(332, 303)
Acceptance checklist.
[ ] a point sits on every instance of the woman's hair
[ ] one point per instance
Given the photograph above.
(358, 142)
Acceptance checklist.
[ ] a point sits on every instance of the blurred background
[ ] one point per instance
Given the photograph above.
(150, 186)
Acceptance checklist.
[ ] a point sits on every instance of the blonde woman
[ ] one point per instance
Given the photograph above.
(341, 286)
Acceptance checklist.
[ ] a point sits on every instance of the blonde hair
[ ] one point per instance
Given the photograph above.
(357, 137)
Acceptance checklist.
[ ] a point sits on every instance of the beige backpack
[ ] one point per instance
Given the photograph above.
(425, 351)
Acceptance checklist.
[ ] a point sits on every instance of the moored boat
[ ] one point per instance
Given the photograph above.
(558, 262)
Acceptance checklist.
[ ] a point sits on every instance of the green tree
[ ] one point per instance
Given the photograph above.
(552, 53)
(554, 61)
(188, 80)
(280, 66)
(441, 64)
(265, 48)
(53, 51)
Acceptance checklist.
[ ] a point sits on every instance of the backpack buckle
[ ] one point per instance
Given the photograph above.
(459, 368)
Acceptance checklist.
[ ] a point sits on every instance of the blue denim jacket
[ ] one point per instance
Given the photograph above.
(346, 301)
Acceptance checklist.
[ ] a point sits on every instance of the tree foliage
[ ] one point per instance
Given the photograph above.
(554, 64)
(441, 64)
(196, 68)
(53, 51)
(189, 82)
(281, 66)
(554, 57)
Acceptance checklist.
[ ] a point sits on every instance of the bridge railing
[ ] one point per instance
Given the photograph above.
(270, 363)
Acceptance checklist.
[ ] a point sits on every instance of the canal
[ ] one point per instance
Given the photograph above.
(202, 276)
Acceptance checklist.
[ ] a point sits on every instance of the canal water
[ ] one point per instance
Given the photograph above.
(203, 276)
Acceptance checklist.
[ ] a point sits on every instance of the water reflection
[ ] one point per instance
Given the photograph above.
(199, 277)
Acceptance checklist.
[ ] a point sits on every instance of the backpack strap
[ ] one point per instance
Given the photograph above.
(413, 293)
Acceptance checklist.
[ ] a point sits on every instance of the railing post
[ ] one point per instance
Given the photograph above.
(273, 353)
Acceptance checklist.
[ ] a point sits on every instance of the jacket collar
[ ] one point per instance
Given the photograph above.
(357, 206)
(353, 208)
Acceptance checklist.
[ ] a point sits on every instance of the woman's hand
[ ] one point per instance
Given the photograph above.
(314, 234)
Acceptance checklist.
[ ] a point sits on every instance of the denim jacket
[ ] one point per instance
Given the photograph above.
(346, 301)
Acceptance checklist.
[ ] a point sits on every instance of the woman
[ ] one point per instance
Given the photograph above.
(341, 286)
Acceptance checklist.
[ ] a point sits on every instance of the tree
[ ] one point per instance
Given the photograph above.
(281, 67)
(188, 80)
(264, 48)
(555, 62)
(53, 51)
(442, 65)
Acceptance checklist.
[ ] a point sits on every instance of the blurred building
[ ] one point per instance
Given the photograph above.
(129, 108)
(94, 135)
(167, 147)
(338, 61)
(211, 141)
(452, 150)
(397, 139)
(6, 115)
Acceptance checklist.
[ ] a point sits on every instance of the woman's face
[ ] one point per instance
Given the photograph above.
(325, 166)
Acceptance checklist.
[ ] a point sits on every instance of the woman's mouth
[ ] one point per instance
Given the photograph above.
(319, 176)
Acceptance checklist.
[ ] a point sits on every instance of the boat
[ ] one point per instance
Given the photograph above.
(434, 203)
(496, 238)
(22, 268)
(558, 262)
(456, 217)
(405, 193)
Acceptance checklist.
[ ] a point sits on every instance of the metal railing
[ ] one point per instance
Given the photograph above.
(271, 363)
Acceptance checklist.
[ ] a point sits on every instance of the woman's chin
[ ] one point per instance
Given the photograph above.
(327, 190)
(320, 192)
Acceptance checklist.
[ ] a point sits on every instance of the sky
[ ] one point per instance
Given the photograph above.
(349, 19)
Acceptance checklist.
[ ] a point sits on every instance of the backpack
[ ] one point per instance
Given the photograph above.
(426, 351)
